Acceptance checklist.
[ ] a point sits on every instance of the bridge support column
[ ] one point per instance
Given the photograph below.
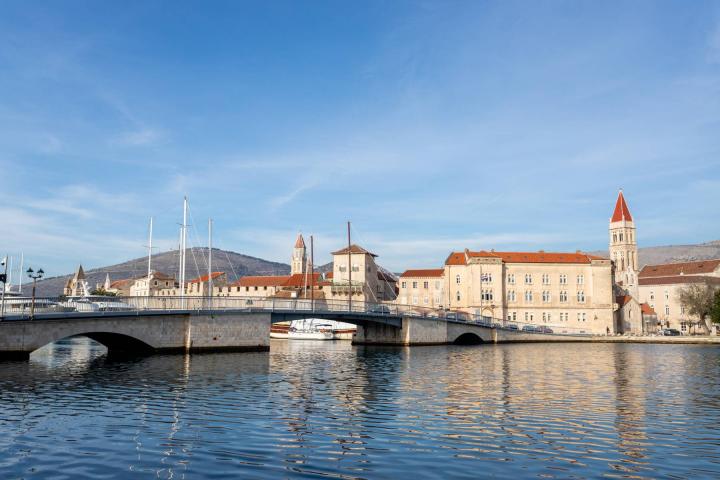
(414, 331)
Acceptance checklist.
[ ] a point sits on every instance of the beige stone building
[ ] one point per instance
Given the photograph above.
(660, 285)
(76, 286)
(567, 292)
(424, 288)
(356, 274)
(152, 285)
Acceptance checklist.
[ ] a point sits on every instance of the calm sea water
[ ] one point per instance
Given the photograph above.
(330, 410)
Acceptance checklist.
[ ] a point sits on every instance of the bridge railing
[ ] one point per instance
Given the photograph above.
(47, 307)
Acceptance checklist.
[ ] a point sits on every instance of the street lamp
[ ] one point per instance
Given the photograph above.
(35, 276)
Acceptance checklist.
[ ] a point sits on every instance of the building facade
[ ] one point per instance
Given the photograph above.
(356, 275)
(152, 285)
(568, 292)
(423, 288)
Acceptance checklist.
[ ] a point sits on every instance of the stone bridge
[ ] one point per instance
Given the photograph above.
(142, 332)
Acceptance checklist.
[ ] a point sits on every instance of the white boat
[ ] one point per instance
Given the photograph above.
(23, 306)
(308, 329)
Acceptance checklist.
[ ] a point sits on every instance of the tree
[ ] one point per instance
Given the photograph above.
(102, 292)
(715, 310)
(698, 300)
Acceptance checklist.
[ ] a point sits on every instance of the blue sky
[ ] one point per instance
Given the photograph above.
(432, 126)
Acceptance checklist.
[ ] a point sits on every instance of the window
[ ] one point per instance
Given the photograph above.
(563, 279)
(355, 268)
(563, 296)
(614, 237)
(546, 297)
(583, 316)
(581, 296)
(667, 309)
(437, 300)
(487, 295)
(514, 316)
(581, 279)
(414, 284)
(528, 296)
(544, 317)
(667, 295)
(511, 296)
(403, 284)
(682, 309)
(546, 279)
(426, 300)
(621, 236)
(652, 295)
(528, 279)
(511, 278)
(403, 300)
(426, 285)
(342, 268)
(415, 301)
(486, 278)
(437, 285)
(527, 316)
(457, 296)
(549, 317)
(578, 316)
(457, 279)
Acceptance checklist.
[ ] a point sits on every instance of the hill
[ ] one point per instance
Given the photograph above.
(674, 253)
(235, 264)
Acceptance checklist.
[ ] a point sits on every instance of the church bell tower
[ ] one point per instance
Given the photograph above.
(298, 263)
(623, 245)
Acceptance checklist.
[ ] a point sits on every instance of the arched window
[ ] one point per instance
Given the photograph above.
(457, 279)
(457, 295)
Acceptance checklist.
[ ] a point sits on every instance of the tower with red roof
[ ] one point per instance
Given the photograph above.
(298, 262)
(623, 244)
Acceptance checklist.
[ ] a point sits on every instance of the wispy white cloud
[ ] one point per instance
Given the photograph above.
(138, 138)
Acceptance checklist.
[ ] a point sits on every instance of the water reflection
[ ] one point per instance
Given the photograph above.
(330, 409)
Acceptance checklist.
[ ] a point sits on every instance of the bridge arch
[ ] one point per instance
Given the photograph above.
(468, 338)
(116, 343)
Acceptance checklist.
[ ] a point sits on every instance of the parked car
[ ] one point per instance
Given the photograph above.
(511, 326)
(671, 332)
(529, 328)
(544, 329)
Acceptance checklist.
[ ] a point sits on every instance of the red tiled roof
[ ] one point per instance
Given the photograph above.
(623, 300)
(621, 210)
(162, 276)
(419, 273)
(647, 309)
(686, 268)
(262, 281)
(679, 279)
(204, 278)
(300, 242)
(329, 275)
(300, 279)
(537, 257)
(456, 258)
(121, 283)
(353, 249)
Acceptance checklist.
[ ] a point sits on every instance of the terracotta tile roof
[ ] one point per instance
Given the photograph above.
(300, 279)
(647, 309)
(622, 212)
(679, 279)
(122, 283)
(686, 268)
(419, 273)
(262, 281)
(204, 278)
(623, 300)
(353, 249)
(300, 242)
(329, 275)
(456, 258)
(537, 257)
(161, 276)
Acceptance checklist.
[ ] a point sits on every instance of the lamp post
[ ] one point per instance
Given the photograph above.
(3, 279)
(35, 276)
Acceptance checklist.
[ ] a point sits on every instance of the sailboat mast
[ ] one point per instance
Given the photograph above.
(183, 247)
(210, 279)
(349, 270)
(312, 274)
(150, 248)
(22, 264)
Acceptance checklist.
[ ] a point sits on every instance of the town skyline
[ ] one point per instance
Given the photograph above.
(430, 128)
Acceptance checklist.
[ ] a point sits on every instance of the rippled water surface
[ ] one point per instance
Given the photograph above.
(327, 409)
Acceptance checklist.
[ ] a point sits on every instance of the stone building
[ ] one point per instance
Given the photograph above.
(152, 285)
(299, 261)
(423, 288)
(623, 246)
(77, 286)
(569, 292)
(356, 274)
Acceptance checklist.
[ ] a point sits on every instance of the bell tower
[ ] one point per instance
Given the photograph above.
(623, 245)
(298, 263)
